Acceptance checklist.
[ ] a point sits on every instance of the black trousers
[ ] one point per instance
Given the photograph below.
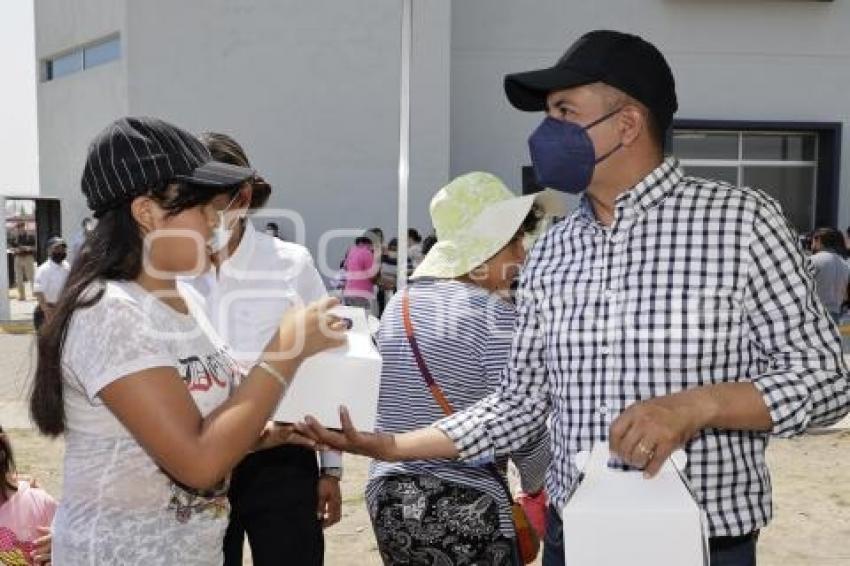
(37, 318)
(273, 500)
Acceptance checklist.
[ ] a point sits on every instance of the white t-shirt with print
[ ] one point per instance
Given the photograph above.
(118, 506)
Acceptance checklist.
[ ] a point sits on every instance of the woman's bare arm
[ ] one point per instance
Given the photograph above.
(157, 409)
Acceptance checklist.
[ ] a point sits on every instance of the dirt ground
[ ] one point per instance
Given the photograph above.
(811, 480)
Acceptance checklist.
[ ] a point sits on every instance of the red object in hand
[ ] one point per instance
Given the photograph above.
(535, 506)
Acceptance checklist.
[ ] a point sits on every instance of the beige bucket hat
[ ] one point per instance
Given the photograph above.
(475, 216)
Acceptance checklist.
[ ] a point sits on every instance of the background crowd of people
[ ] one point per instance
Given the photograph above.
(368, 273)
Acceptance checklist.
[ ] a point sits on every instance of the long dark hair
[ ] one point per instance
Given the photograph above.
(112, 251)
(7, 466)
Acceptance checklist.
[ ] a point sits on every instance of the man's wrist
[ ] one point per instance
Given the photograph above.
(703, 407)
(331, 472)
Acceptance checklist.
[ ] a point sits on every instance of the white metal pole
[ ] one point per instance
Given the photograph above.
(404, 140)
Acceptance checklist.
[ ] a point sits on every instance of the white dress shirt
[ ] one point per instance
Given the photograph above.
(50, 278)
(831, 274)
(252, 290)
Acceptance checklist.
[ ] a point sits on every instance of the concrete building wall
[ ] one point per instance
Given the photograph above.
(733, 60)
(19, 134)
(312, 94)
(73, 108)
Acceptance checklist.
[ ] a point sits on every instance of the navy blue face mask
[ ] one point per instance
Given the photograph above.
(563, 155)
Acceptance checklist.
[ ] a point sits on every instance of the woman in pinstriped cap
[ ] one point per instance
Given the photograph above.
(130, 371)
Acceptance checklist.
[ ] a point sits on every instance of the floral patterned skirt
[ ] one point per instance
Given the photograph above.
(423, 520)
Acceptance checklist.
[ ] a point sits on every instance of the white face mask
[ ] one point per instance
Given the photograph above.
(222, 232)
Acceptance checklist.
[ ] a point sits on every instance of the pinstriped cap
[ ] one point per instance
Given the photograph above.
(133, 155)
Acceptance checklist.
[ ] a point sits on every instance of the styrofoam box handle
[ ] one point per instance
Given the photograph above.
(600, 457)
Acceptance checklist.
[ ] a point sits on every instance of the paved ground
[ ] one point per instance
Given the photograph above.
(17, 361)
(21, 310)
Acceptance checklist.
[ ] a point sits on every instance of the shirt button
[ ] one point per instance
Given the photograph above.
(605, 350)
(603, 409)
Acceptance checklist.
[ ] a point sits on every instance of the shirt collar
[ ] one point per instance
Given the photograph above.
(646, 194)
(653, 188)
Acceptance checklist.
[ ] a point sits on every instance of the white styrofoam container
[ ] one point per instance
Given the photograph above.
(617, 517)
(349, 375)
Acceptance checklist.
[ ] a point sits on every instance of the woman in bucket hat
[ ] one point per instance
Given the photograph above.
(130, 371)
(456, 320)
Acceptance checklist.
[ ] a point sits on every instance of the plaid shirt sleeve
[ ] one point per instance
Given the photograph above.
(532, 461)
(505, 421)
(805, 382)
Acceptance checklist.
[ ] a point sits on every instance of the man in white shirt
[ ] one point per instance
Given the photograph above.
(831, 272)
(281, 497)
(49, 280)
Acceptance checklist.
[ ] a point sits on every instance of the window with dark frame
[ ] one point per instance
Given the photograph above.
(798, 163)
(782, 164)
(81, 58)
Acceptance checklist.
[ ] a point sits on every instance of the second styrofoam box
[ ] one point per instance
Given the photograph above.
(618, 517)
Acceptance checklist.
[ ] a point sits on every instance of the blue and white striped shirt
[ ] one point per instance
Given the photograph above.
(464, 334)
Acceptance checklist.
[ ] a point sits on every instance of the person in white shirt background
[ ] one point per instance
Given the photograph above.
(831, 272)
(49, 280)
(272, 229)
(279, 497)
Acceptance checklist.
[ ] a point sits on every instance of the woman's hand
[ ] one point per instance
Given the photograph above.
(43, 546)
(306, 331)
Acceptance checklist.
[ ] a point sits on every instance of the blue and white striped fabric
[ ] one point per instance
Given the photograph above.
(464, 334)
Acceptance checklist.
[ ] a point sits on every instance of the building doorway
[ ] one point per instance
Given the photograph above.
(28, 223)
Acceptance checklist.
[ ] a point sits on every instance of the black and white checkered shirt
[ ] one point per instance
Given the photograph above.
(695, 283)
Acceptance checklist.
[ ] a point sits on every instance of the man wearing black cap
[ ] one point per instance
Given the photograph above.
(687, 303)
(666, 312)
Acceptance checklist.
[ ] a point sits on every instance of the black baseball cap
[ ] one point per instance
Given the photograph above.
(621, 60)
(134, 154)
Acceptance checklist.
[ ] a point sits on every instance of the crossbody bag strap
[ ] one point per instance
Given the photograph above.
(433, 386)
(436, 392)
